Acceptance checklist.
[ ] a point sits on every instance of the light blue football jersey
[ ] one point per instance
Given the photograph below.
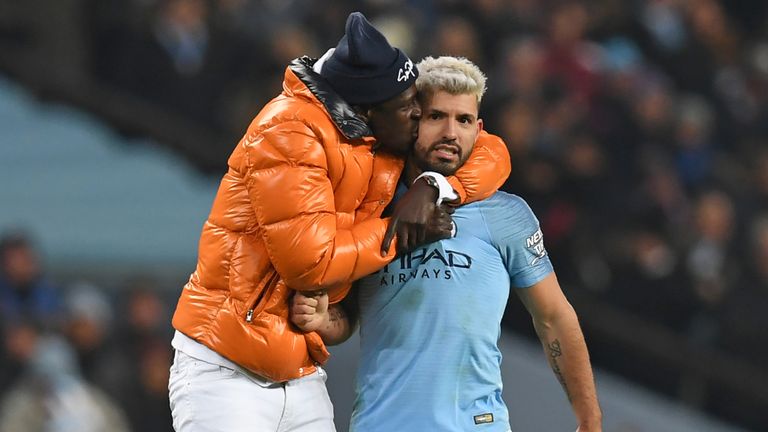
(430, 322)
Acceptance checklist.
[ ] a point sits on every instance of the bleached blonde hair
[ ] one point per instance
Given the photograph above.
(454, 75)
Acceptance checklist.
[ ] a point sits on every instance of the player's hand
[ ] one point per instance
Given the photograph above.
(412, 215)
(309, 310)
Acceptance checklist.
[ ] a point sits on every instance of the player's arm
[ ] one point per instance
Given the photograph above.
(515, 230)
(558, 329)
(310, 312)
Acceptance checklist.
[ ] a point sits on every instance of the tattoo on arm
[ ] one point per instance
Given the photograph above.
(555, 351)
(336, 314)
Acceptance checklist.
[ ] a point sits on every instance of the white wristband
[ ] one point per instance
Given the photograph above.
(445, 190)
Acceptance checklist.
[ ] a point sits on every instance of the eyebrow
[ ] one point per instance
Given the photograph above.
(443, 113)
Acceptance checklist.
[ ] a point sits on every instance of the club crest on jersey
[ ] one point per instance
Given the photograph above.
(406, 71)
(535, 244)
(483, 418)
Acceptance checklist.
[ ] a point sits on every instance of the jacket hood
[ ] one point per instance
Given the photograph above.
(343, 116)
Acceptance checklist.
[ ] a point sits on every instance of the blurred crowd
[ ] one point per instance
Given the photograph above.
(638, 132)
(79, 357)
(638, 129)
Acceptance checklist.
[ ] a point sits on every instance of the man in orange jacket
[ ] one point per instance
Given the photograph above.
(299, 209)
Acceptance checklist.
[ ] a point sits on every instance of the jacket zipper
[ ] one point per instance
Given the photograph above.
(262, 292)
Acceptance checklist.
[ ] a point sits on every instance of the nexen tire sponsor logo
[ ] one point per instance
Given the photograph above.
(535, 244)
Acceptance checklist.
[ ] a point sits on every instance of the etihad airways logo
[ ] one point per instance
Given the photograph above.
(408, 266)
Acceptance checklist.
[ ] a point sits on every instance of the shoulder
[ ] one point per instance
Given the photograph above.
(292, 113)
(290, 128)
(508, 199)
(508, 218)
(506, 205)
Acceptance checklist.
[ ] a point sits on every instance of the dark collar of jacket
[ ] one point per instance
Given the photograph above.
(347, 121)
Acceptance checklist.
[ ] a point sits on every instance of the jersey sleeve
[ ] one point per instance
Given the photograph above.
(515, 231)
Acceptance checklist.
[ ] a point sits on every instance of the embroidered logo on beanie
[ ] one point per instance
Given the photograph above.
(406, 71)
(364, 68)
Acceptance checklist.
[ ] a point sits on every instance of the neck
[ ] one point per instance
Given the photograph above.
(411, 171)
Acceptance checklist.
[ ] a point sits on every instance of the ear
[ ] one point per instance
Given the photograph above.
(479, 125)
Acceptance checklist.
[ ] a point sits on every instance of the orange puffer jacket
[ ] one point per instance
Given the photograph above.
(299, 210)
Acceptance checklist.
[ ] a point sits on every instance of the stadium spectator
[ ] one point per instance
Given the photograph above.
(88, 327)
(25, 293)
(54, 397)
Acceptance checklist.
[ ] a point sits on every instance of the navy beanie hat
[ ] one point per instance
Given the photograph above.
(365, 69)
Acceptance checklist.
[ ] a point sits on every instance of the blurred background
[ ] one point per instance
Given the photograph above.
(638, 131)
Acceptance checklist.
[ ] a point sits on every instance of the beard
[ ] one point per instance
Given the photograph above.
(428, 161)
(442, 167)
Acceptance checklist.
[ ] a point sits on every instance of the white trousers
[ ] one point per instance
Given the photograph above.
(206, 397)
